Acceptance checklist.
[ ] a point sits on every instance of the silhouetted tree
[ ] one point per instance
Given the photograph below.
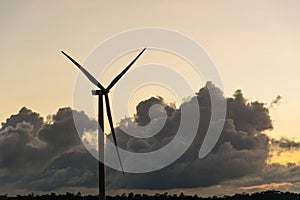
(266, 195)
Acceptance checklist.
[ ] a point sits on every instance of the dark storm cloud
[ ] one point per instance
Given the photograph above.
(76, 168)
(36, 155)
(241, 150)
(142, 115)
(25, 115)
(286, 143)
(251, 117)
(60, 133)
(17, 144)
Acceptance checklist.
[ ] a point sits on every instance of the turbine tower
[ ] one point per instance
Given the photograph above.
(103, 92)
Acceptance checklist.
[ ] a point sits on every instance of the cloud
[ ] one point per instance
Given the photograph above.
(267, 186)
(38, 155)
(24, 115)
(277, 101)
(286, 144)
(273, 176)
(242, 149)
(251, 117)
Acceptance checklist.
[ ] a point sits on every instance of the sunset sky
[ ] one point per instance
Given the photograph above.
(254, 44)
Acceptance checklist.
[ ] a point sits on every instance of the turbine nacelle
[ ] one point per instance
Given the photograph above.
(100, 92)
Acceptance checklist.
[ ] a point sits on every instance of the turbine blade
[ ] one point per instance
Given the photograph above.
(108, 112)
(117, 78)
(86, 73)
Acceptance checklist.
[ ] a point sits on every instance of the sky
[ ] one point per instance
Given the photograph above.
(254, 44)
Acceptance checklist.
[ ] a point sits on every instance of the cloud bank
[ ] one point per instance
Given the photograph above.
(47, 155)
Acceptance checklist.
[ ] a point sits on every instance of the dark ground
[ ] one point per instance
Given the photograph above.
(267, 195)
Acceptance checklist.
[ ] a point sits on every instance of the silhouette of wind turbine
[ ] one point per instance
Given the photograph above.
(104, 92)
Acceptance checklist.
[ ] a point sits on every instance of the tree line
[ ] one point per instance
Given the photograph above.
(266, 195)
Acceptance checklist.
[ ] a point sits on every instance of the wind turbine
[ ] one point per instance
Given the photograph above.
(103, 92)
